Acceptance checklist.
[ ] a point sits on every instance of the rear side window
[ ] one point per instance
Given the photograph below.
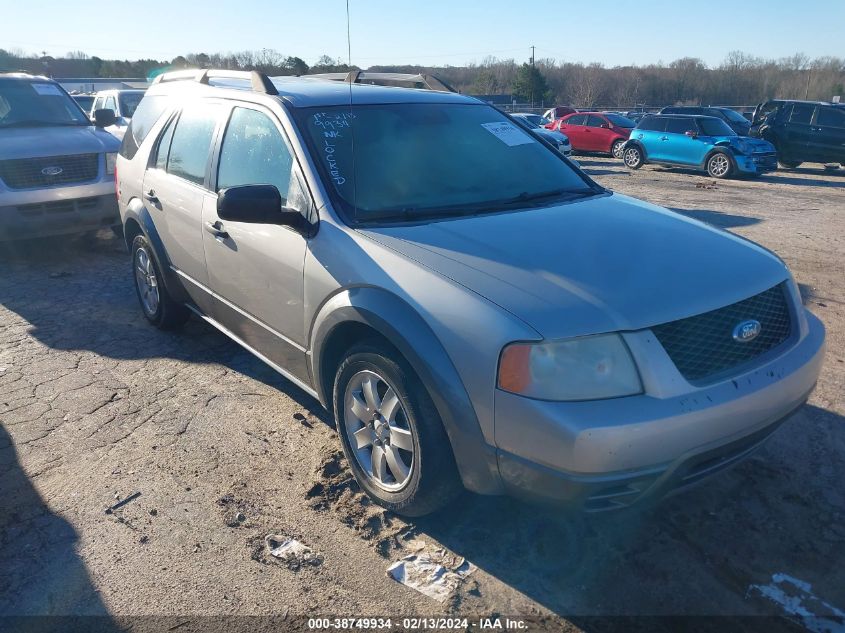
(191, 144)
(652, 124)
(595, 121)
(143, 120)
(680, 126)
(801, 113)
(578, 119)
(831, 117)
(254, 153)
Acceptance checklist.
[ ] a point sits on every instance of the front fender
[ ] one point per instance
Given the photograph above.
(413, 338)
(137, 212)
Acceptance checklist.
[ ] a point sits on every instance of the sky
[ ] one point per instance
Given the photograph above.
(434, 32)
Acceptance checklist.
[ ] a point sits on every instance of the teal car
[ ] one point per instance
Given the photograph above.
(702, 142)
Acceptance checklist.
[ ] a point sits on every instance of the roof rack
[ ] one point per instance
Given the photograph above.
(259, 81)
(381, 79)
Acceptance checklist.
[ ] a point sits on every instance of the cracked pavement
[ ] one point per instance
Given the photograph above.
(95, 404)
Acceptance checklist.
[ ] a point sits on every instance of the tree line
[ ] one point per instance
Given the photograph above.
(740, 79)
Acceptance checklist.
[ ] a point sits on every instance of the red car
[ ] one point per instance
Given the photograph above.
(596, 131)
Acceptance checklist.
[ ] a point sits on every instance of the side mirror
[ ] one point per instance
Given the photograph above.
(104, 117)
(257, 204)
(691, 134)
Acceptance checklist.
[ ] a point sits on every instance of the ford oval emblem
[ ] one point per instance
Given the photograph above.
(52, 171)
(747, 331)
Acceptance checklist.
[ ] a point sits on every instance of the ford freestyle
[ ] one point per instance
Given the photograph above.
(56, 168)
(471, 307)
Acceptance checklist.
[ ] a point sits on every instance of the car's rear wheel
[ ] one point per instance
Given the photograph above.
(617, 148)
(391, 433)
(157, 305)
(632, 157)
(788, 164)
(719, 165)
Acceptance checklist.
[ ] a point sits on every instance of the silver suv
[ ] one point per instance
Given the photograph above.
(472, 308)
(56, 168)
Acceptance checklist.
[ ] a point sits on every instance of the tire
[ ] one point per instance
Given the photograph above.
(788, 164)
(156, 304)
(632, 156)
(382, 408)
(719, 165)
(616, 148)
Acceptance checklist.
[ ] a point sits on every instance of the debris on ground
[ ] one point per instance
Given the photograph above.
(60, 275)
(435, 574)
(291, 552)
(122, 503)
(706, 185)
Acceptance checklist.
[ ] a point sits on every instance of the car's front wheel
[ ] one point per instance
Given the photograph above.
(719, 165)
(788, 164)
(617, 148)
(632, 157)
(392, 435)
(158, 306)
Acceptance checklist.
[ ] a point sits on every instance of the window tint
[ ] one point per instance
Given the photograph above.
(192, 141)
(680, 126)
(254, 153)
(129, 102)
(714, 127)
(652, 124)
(595, 121)
(801, 113)
(146, 115)
(832, 117)
(577, 119)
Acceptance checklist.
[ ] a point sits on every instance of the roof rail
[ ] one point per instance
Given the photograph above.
(381, 79)
(259, 82)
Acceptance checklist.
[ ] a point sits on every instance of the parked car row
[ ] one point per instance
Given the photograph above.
(718, 140)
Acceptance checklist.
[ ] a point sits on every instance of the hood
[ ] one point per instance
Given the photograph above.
(605, 264)
(35, 142)
(755, 145)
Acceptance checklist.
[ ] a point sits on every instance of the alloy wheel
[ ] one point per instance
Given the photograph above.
(719, 165)
(377, 429)
(147, 282)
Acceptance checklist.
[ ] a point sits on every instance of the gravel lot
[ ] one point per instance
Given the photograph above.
(95, 405)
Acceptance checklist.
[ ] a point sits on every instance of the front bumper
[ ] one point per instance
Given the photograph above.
(607, 454)
(57, 211)
(756, 163)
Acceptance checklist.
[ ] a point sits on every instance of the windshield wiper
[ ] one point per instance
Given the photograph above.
(38, 123)
(424, 213)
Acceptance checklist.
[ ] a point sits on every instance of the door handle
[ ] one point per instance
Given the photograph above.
(216, 229)
(151, 196)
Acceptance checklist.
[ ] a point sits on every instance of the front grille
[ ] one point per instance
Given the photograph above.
(703, 346)
(27, 173)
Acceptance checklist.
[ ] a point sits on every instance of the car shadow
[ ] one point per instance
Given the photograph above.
(717, 218)
(696, 553)
(103, 317)
(41, 573)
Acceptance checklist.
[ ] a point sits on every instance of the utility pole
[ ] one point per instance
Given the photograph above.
(532, 56)
(807, 91)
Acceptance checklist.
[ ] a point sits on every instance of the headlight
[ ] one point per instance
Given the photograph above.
(111, 161)
(742, 146)
(586, 368)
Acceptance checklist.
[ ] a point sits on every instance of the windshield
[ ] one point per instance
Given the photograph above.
(84, 101)
(620, 121)
(715, 127)
(432, 160)
(129, 102)
(526, 121)
(37, 103)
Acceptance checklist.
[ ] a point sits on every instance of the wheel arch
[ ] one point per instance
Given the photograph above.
(358, 313)
(138, 221)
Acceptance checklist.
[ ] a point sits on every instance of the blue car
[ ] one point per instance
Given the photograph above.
(703, 142)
